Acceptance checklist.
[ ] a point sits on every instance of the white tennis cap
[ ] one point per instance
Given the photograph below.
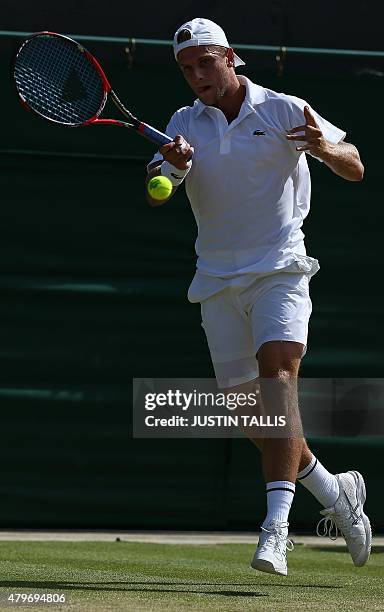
(201, 31)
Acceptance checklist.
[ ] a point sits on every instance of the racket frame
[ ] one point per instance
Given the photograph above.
(133, 123)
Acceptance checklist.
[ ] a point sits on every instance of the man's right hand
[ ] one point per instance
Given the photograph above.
(178, 153)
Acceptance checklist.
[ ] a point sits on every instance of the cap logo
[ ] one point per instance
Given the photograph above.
(183, 35)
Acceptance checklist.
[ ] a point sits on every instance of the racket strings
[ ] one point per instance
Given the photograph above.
(58, 81)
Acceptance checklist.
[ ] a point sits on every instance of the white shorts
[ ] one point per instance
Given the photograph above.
(238, 320)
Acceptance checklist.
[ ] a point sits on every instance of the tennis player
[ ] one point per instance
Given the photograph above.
(241, 150)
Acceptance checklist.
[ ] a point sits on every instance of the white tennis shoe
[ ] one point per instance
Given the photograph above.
(271, 552)
(347, 515)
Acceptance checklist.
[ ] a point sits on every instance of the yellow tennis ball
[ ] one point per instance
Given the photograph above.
(159, 187)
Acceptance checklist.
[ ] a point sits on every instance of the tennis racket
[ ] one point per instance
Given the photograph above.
(62, 82)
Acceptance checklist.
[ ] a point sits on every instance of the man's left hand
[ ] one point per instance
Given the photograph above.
(314, 140)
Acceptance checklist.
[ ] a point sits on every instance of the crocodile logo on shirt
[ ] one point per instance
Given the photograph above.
(259, 133)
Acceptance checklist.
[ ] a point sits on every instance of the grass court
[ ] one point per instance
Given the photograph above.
(136, 576)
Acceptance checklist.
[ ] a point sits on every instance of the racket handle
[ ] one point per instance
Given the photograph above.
(154, 135)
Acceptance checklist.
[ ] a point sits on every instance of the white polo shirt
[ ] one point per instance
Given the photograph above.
(248, 187)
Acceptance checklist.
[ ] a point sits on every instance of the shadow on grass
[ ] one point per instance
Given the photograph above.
(145, 587)
(123, 587)
(342, 548)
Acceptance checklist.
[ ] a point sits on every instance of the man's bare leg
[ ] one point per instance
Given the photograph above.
(280, 361)
(253, 387)
(305, 458)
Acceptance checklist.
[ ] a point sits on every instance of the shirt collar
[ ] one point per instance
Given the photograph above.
(254, 94)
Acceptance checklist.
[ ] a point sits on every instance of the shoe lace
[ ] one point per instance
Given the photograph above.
(281, 543)
(329, 526)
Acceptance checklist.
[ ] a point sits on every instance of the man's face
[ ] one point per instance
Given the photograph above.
(206, 72)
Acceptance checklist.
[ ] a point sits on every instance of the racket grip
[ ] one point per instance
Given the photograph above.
(154, 135)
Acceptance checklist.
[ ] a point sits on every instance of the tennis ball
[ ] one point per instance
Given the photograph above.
(159, 187)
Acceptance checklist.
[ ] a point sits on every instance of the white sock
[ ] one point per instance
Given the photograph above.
(279, 500)
(321, 483)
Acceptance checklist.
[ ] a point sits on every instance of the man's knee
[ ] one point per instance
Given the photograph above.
(280, 359)
(279, 364)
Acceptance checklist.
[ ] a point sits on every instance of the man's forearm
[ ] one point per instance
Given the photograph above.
(344, 160)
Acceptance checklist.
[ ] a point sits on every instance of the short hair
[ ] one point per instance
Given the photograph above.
(217, 50)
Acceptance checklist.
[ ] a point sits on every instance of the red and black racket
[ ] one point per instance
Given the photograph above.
(62, 82)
